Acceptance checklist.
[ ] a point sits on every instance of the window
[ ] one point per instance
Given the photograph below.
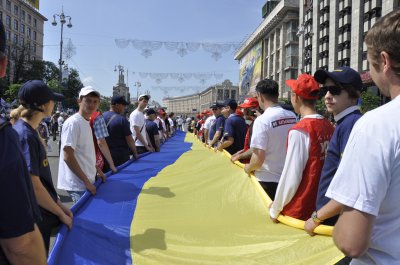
(292, 27)
(23, 29)
(220, 95)
(16, 24)
(226, 93)
(16, 10)
(34, 35)
(8, 21)
(8, 5)
(8, 35)
(35, 22)
(233, 94)
(29, 19)
(15, 38)
(34, 48)
(29, 33)
(23, 15)
(21, 41)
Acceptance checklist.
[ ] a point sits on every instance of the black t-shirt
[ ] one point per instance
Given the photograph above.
(35, 156)
(118, 129)
(18, 207)
(152, 130)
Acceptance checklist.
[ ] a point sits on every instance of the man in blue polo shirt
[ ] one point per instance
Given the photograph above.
(217, 127)
(235, 129)
(341, 89)
(119, 138)
(20, 240)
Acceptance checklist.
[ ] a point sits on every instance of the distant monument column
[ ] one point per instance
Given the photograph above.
(121, 89)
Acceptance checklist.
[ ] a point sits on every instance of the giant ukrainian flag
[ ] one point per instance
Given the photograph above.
(183, 205)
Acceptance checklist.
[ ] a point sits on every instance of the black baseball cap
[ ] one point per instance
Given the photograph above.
(343, 75)
(35, 93)
(150, 111)
(231, 103)
(216, 105)
(119, 100)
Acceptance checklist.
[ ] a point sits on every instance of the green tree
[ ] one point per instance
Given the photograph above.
(11, 92)
(104, 104)
(42, 70)
(369, 101)
(71, 89)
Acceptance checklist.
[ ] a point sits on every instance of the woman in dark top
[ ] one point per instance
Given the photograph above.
(37, 103)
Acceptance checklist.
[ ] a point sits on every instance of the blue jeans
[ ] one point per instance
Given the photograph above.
(75, 195)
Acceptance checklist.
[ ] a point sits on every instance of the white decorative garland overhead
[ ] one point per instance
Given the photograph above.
(180, 77)
(182, 48)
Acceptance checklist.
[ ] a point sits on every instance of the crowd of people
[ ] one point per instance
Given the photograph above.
(343, 173)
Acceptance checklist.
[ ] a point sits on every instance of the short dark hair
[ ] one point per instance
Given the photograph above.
(268, 88)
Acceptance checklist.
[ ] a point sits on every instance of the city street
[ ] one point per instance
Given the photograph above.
(53, 162)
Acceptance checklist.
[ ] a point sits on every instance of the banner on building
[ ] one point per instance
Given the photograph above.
(34, 3)
(250, 69)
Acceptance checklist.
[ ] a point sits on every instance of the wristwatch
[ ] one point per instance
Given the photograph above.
(315, 218)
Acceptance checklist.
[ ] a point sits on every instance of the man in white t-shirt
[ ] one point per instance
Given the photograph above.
(138, 126)
(179, 122)
(367, 182)
(77, 165)
(268, 140)
(207, 126)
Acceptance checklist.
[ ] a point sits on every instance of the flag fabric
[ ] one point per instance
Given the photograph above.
(183, 205)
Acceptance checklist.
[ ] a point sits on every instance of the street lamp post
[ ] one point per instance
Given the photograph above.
(138, 84)
(62, 18)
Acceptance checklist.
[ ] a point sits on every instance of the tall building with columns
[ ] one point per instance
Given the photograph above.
(23, 25)
(272, 49)
(331, 33)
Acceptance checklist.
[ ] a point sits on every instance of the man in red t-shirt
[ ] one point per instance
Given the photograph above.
(306, 150)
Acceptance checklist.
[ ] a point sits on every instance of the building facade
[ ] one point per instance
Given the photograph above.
(192, 104)
(24, 30)
(331, 33)
(272, 49)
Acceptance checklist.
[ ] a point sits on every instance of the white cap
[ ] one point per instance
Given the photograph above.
(87, 90)
(144, 95)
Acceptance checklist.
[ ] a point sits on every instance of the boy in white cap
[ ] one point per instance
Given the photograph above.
(77, 166)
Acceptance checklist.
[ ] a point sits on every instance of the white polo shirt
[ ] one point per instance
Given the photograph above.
(270, 132)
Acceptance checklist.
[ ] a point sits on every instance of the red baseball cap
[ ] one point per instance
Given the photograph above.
(305, 86)
(249, 103)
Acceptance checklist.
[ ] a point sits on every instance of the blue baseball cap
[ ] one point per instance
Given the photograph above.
(35, 93)
(343, 75)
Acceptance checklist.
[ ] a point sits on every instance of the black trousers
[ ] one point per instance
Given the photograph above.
(269, 188)
(46, 226)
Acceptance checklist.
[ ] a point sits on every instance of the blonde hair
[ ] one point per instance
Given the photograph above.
(28, 114)
(15, 114)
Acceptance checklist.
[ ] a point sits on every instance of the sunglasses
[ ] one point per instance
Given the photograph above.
(214, 108)
(334, 90)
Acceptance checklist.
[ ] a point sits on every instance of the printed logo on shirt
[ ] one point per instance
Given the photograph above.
(282, 122)
(45, 162)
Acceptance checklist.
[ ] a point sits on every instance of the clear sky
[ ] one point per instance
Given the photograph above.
(97, 23)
